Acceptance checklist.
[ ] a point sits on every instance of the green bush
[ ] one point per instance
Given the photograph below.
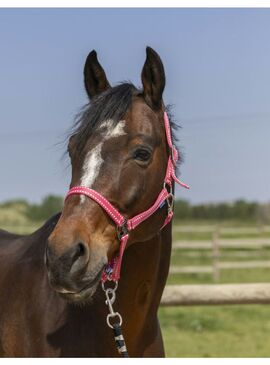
(239, 210)
(50, 205)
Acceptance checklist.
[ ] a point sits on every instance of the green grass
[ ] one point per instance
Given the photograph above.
(225, 331)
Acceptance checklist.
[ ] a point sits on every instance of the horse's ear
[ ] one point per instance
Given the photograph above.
(153, 79)
(95, 79)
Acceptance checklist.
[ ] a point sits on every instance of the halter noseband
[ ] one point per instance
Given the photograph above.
(124, 225)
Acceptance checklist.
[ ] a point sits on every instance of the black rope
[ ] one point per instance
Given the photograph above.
(119, 340)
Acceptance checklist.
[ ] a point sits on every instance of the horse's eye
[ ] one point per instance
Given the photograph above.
(142, 155)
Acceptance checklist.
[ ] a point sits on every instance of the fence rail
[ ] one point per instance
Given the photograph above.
(192, 269)
(223, 243)
(216, 245)
(235, 253)
(216, 294)
(228, 230)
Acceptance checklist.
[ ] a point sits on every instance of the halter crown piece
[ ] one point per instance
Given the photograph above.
(124, 225)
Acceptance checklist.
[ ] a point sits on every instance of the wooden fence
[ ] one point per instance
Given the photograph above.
(220, 294)
(215, 247)
(216, 294)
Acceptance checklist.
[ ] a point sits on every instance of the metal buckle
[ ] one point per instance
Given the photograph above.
(170, 197)
(122, 230)
(168, 187)
(170, 202)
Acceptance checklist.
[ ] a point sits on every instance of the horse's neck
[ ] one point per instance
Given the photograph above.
(143, 277)
(147, 264)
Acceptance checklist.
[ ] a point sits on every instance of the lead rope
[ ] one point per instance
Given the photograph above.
(116, 326)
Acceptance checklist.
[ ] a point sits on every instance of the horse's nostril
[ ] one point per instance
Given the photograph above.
(78, 257)
(73, 259)
(80, 252)
(81, 249)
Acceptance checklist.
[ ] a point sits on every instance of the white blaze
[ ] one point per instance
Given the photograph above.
(91, 166)
(93, 159)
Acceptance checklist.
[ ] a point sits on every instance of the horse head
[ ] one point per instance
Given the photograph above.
(119, 149)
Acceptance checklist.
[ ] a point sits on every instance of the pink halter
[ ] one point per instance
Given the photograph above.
(124, 225)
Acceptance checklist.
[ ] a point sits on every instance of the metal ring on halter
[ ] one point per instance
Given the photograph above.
(114, 289)
(112, 315)
(122, 230)
(170, 203)
(168, 187)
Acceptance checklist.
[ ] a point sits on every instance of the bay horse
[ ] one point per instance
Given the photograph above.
(52, 303)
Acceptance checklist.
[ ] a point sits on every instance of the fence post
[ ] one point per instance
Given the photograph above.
(216, 254)
(260, 229)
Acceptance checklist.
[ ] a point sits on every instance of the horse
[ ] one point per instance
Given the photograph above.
(52, 282)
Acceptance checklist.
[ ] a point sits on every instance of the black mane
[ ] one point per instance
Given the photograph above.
(111, 104)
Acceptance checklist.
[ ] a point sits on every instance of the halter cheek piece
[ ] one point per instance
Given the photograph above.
(124, 225)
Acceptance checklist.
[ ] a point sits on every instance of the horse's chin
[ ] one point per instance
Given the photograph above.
(83, 295)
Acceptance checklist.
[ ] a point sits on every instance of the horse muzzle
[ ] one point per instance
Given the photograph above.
(76, 273)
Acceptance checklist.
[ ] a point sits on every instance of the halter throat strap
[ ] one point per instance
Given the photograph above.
(124, 225)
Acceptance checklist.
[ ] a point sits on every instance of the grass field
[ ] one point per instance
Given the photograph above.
(210, 331)
(225, 331)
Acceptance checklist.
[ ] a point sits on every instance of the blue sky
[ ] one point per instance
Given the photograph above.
(217, 64)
